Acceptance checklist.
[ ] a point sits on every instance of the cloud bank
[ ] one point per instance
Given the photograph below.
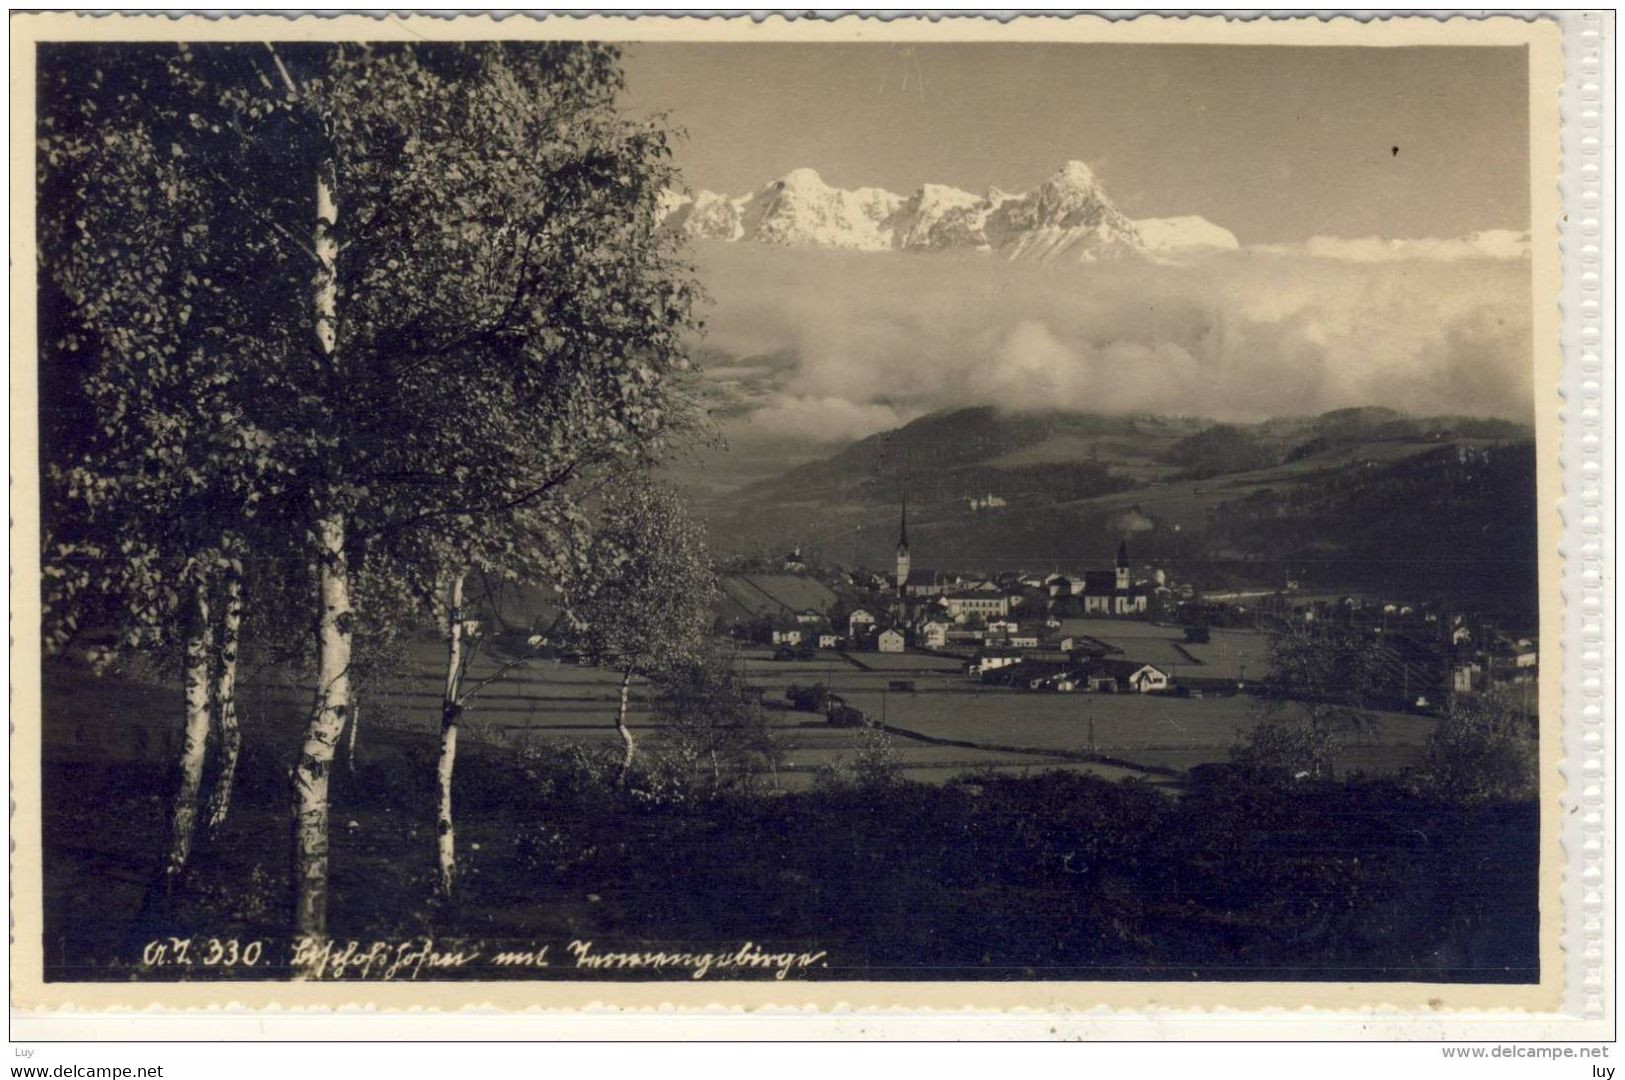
(870, 341)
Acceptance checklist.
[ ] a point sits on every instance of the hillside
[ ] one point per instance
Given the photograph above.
(1360, 498)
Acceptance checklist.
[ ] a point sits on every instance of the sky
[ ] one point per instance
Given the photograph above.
(1317, 159)
(1274, 143)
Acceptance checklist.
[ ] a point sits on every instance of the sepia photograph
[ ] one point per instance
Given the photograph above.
(789, 511)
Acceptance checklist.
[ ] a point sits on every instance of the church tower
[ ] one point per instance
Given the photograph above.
(902, 551)
(1123, 581)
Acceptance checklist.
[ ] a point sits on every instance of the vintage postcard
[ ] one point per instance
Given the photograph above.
(1048, 514)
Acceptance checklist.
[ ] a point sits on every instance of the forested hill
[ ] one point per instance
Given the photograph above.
(939, 455)
(1365, 498)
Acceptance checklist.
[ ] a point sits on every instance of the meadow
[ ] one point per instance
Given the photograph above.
(946, 724)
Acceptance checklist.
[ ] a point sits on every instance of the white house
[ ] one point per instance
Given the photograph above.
(934, 633)
(890, 640)
(809, 617)
(1148, 679)
(787, 637)
(1023, 639)
(962, 605)
(858, 621)
(829, 640)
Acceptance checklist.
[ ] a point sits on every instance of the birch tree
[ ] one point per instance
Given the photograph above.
(157, 388)
(652, 593)
(461, 302)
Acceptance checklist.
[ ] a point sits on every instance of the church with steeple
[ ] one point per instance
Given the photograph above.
(911, 580)
(1113, 592)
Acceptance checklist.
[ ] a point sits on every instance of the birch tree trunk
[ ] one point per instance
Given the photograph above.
(626, 732)
(451, 707)
(225, 701)
(313, 769)
(194, 740)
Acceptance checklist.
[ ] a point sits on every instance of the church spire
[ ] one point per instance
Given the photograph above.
(902, 552)
(1122, 553)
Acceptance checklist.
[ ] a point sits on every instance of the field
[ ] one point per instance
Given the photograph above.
(1228, 654)
(943, 725)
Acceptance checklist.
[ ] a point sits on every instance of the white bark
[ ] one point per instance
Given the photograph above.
(626, 732)
(313, 769)
(194, 740)
(225, 701)
(451, 707)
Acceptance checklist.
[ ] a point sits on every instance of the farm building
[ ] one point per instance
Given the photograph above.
(1147, 679)
(992, 660)
(858, 622)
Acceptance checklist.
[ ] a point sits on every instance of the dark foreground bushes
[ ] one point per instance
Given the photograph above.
(1053, 876)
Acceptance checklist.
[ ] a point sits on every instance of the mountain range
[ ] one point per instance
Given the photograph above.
(1069, 216)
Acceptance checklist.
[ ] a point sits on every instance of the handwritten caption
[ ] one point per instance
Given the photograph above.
(416, 958)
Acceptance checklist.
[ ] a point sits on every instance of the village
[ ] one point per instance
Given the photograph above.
(1116, 628)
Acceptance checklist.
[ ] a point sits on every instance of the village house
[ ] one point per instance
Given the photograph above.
(809, 617)
(829, 640)
(1097, 677)
(934, 633)
(1027, 638)
(1467, 678)
(791, 636)
(890, 640)
(858, 622)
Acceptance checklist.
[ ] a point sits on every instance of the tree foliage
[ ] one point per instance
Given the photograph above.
(372, 312)
(1483, 750)
(712, 724)
(652, 584)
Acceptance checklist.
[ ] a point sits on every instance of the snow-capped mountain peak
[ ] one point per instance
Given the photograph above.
(1067, 216)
